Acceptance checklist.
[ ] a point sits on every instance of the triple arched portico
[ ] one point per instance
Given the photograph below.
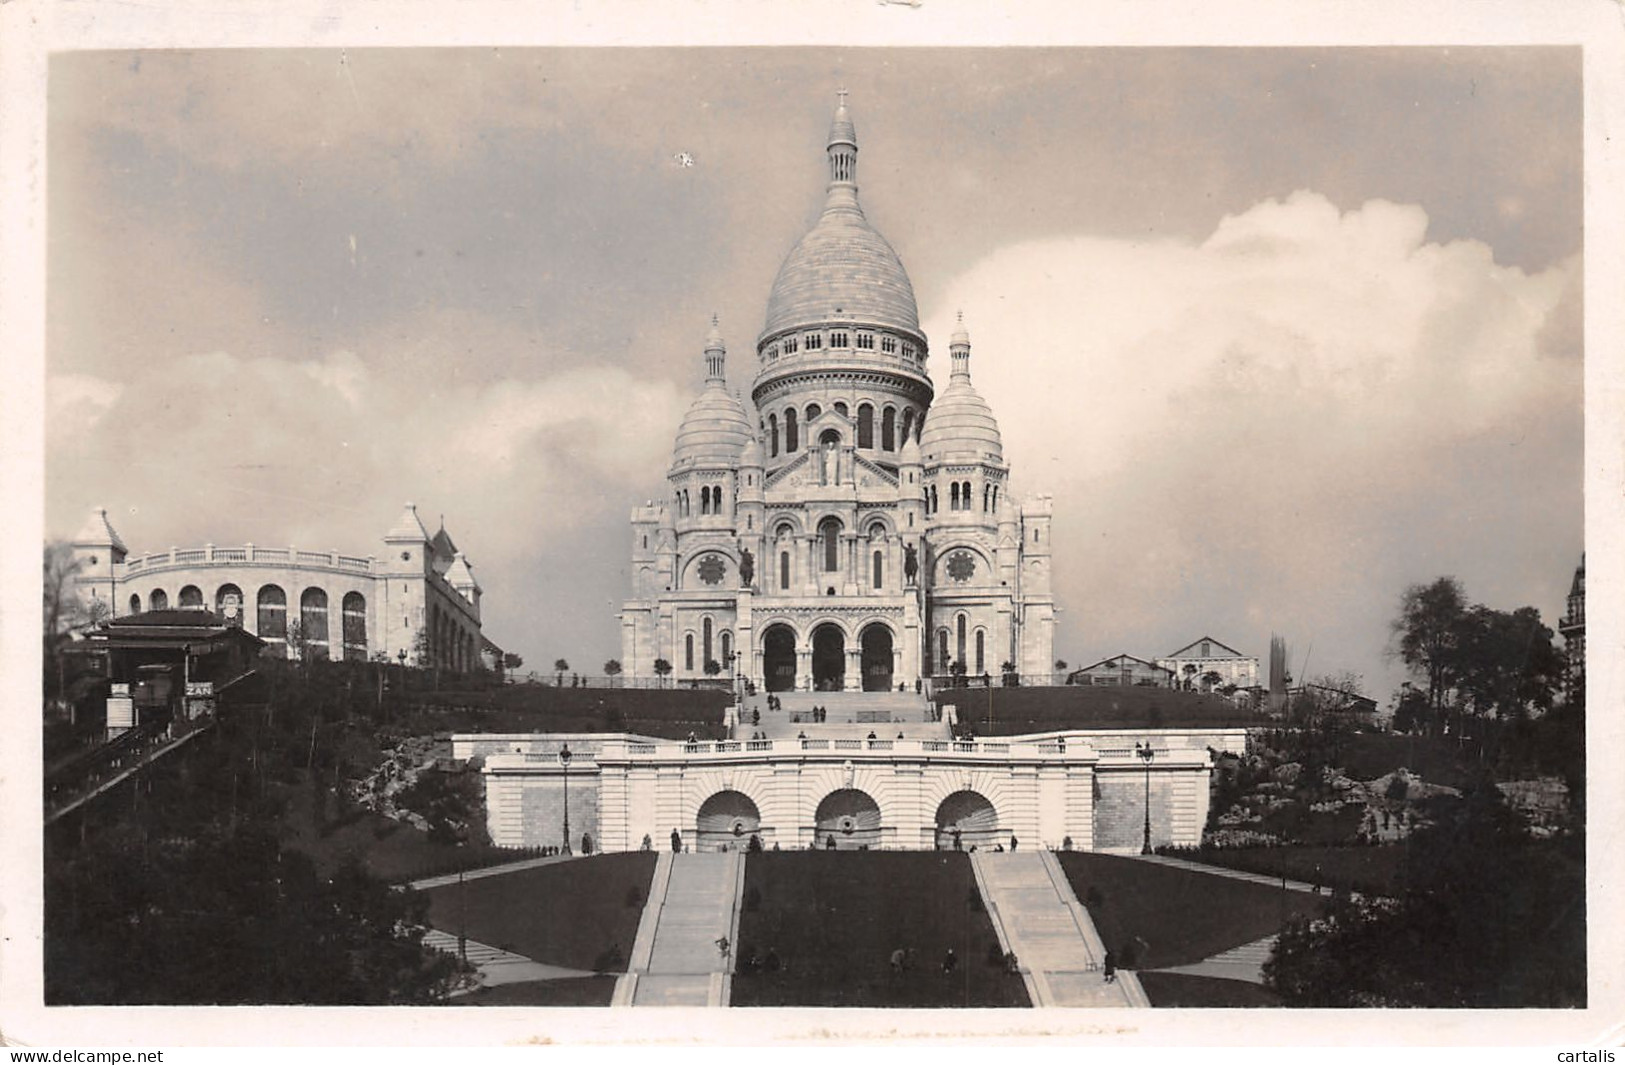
(828, 656)
(847, 818)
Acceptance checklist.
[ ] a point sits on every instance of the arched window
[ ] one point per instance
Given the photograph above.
(931, 500)
(908, 424)
(953, 498)
(705, 642)
(995, 498)
(813, 411)
(830, 530)
(272, 613)
(355, 627)
(961, 636)
(159, 600)
(727, 649)
(888, 429)
(773, 436)
(878, 573)
(784, 570)
(191, 597)
(135, 604)
(866, 426)
(981, 638)
(790, 441)
(964, 494)
(688, 652)
(705, 500)
(840, 408)
(313, 618)
(228, 603)
(943, 661)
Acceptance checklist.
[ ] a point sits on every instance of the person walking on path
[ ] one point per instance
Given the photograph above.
(1012, 841)
(1109, 969)
(676, 842)
(959, 843)
(897, 962)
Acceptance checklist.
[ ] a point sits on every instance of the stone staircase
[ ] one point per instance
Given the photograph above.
(495, 965)
(1040, 920)
(848, 715)
(693, 902)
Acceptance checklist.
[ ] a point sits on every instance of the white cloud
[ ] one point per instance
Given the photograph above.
(1282, 425)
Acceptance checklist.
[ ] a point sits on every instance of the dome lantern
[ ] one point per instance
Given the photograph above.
(715, 429)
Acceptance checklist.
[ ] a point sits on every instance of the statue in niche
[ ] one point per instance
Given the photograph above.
(911, 563)
(747, 568)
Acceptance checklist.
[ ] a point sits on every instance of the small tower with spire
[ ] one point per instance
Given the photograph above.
(959, 348)
(716, 354)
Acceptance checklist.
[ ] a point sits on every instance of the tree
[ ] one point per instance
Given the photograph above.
(1060, 665)
(712, 667)
(612, 669)
(1010, 679)
(662, 669)
(1190, 675)
(65, 612)
(1426, 634)
(1211, 679)
(560, 668)
(511, 660)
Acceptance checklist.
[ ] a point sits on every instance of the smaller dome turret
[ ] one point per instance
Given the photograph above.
(960, 424)
(715, 429)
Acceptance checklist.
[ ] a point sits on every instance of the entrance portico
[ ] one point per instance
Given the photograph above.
(823, 647)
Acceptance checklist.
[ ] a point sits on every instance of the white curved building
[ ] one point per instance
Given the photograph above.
(852, 529)
(337, 605)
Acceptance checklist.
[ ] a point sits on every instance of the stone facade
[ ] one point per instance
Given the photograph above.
(855, 530)
(1085, 786)
(1208, 655)
(1123, 671)
(346, 606)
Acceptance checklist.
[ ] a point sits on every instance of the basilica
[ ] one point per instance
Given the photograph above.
(851, 528)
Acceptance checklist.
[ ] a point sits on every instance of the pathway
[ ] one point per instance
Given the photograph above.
(497, 966)
(1245, 963)
(1234, 874)
(1037, 916)
(693, 902)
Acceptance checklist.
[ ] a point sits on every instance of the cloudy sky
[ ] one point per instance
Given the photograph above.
(1281, 330)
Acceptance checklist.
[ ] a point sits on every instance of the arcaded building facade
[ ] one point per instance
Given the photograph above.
(851, 527)
(417, 601)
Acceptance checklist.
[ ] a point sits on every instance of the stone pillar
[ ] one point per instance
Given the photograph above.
(849, 582)
(804, 677)
(853, 681)
(810, 581)
(747, 663)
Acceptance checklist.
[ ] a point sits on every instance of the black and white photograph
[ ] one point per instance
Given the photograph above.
(1033, 535)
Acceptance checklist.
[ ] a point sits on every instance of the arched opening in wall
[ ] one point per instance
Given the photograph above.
(790, 430)
(944, 660)
(851, 818)
(908, 424)
(135, 604)
(813, 411)
(828, 658)
(773, 436)
(888, 429)
(727, 652)
(829, 531)
(830, 438)
(866, 426)
(688, 652)
(158, 600)
(970, 816)
(191, 597)
(313, 620)
(705, 642)
(784, 571)
(879, 570)
(726, 821)
(272, 613)
(960, 625)
(981, 651)
(779, 658)
(355, 627)
(876, 644)
(228, 603)
(840, 408)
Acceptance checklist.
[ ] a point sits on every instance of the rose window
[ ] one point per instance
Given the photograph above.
(712, 569)
(961, 566)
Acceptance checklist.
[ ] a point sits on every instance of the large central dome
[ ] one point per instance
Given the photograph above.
(842, 270)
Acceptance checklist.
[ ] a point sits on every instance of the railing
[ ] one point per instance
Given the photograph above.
(726, 746)
(849, 745)
(758, 745)
(640, 748)
(880, 745)
(815, 745)
(933, 745)
(250, 555)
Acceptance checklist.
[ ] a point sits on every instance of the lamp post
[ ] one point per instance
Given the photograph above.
(1147, 755)
(564, 760)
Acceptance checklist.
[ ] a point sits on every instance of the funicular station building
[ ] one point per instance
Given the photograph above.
(841, 543)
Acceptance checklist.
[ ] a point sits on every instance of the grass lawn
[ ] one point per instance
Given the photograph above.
(1368, 870)
(574, 991)
(570, 913)
(1170, 990)
(1182, 916)
(835, 918)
